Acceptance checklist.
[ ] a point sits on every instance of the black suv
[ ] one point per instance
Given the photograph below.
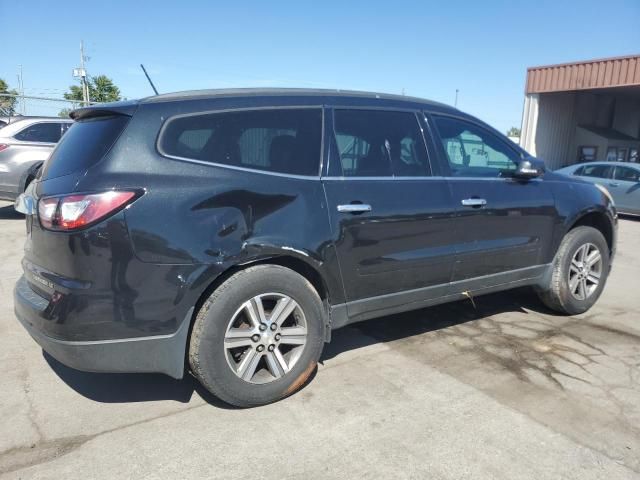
(232, 231)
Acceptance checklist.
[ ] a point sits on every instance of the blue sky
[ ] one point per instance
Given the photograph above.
(427, 49)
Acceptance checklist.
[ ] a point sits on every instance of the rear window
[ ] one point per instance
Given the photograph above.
(83, 145)
(627, 174)
(46, 132)
(274, 140)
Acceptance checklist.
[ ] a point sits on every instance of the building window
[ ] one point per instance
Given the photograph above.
(619, 154)
(633, 155)
(622, 154)
(587, 154)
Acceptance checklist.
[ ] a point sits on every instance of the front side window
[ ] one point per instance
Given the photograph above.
(627, 174)
(375, 143)
(473, 151)
(598, 170)
(274, 140)
(40, 132)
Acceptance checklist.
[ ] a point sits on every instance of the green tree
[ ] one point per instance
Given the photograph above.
(513, 132)
(101, 89)
(7, 104)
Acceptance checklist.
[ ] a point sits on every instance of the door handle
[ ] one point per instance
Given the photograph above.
(474, 202)
(614, 184)
(354, 208)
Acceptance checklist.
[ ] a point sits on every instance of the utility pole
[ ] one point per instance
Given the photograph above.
(21, 89)
(455, 103)
(83, 77)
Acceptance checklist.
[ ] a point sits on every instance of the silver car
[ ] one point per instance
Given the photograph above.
(621, 179)
(24, 145)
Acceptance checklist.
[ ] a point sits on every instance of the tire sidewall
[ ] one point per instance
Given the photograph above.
(580, 237)
(214, 369)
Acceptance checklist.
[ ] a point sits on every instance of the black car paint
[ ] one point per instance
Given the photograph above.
(138, 275)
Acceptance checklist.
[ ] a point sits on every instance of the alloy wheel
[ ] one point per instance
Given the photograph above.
(265, 338)
(585, 271)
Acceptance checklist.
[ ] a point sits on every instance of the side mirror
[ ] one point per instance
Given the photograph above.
(529, 168)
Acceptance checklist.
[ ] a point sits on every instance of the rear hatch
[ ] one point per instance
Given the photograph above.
(53, 251)
(84, 145)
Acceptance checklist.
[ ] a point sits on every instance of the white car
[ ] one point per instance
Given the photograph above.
(621, 179)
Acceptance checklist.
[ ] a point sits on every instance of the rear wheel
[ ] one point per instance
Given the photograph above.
(580, 271)
(258, 337)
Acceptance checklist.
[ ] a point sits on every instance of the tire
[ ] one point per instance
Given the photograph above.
(226, 371)
(30, 179)
(557, 294)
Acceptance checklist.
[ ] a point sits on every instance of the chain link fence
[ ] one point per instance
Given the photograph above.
(27, 105)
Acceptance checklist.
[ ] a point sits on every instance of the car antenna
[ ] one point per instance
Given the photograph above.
(149, 78)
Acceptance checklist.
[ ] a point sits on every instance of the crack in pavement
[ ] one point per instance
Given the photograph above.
(580, 357)
(44, 451)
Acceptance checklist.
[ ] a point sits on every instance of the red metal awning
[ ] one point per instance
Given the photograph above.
(587, 75)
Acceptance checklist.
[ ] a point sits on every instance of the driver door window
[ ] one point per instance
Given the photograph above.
(473, 151)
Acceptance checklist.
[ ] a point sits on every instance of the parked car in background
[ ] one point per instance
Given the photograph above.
(229, 232)
(622, 179)
(6, 120)
(25, 144)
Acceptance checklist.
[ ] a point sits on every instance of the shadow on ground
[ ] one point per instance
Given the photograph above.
(130, 387)
(9, 213)
(124, 387)
(418, 322)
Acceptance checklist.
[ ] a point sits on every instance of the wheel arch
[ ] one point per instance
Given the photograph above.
(599, 220)
(29, 173)
(305, 268)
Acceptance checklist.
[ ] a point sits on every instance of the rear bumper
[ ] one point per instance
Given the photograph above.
(152, 354)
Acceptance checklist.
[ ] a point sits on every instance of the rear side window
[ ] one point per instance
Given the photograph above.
(627, 174)
(375, 143)
(83, 145)
(40, 132)
(598, 170)
(273, 140)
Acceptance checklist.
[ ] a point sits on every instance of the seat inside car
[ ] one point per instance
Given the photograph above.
(222, 148)
(374, 164)
(281, 152)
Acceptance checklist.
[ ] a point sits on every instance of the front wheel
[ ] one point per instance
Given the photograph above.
(258, 337)
(579, 272)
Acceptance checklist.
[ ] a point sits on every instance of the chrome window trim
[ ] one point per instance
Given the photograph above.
(166, 122)
(241, 169)
(387, 178)
(435, 177)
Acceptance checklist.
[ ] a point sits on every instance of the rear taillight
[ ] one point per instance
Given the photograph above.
(73, 212)
(3, 146)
